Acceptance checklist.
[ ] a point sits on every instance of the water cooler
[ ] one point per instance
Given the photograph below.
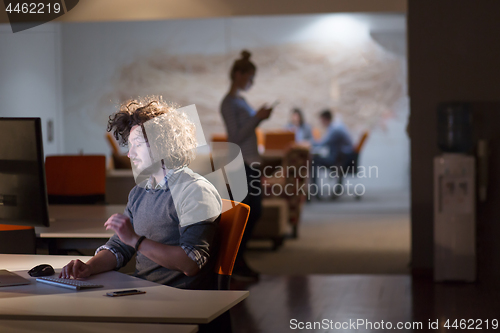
(454, 196)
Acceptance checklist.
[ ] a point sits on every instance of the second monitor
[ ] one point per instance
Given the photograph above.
(23, 193)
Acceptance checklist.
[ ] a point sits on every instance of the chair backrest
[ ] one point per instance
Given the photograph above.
(261, 138)
(219, 138)
(112, 143)
(351, 162)
(120, 160)
(231, 227)
(76, 179)
(278, 139)
(361, 142)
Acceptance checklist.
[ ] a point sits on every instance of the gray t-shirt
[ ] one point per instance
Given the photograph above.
(158, 215)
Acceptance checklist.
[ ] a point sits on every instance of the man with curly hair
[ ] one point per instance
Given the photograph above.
(172, 214)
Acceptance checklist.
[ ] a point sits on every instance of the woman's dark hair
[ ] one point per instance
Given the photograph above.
(134, 112)
(242, 65)
(298, 112)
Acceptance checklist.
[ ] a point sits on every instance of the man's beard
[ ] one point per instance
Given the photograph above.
(145, 173)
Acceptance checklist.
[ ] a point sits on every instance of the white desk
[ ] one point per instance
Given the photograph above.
(77, 226)
(160, 304)
(79, 221)
(20, 262)
(110, 280)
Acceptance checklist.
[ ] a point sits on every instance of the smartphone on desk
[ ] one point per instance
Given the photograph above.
(125, 293)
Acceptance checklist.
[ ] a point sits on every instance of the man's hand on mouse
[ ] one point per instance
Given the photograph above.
(123, 228)
(75, 268)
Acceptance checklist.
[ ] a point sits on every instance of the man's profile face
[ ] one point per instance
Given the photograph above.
(138, 151)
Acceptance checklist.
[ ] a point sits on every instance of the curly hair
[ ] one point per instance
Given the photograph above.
(135, 112)
(171, 136)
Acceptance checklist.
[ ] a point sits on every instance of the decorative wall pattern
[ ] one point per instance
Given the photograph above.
(352, 63)
(364, 85)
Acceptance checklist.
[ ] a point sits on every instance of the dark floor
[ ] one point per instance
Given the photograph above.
(345, 236)
(276, 300)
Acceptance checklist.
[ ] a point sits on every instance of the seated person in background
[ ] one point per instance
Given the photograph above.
(172, 215)
(299, 127)
(335, 147)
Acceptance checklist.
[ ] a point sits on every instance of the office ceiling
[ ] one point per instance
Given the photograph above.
(144, 10)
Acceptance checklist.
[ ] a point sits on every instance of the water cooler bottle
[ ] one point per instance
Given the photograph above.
(454, 197)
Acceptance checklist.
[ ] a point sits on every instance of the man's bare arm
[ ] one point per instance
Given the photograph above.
(102, 262)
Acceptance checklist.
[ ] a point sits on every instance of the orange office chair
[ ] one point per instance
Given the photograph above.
(120, 161)
(115, 149)
(219, 138)
(350, 165)
(357, 151)
(361, 142)
(16, 239)
(278, 140)
(76, 179)
(232, 225)
(261, 137)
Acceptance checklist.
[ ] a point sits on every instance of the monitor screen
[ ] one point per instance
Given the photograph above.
(23, 191)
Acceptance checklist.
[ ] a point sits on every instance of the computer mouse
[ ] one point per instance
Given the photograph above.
(41, 270)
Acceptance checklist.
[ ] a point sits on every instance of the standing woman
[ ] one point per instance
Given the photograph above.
(241, 120)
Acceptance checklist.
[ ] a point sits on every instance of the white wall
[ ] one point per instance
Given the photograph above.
(91, 58)
(105, 63)
(94, 54)
(386, 152)
(30, 78)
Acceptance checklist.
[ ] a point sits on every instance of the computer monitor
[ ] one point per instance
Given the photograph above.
(23, 190)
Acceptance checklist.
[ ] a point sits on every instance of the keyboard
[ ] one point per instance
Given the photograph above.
(68, 283)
